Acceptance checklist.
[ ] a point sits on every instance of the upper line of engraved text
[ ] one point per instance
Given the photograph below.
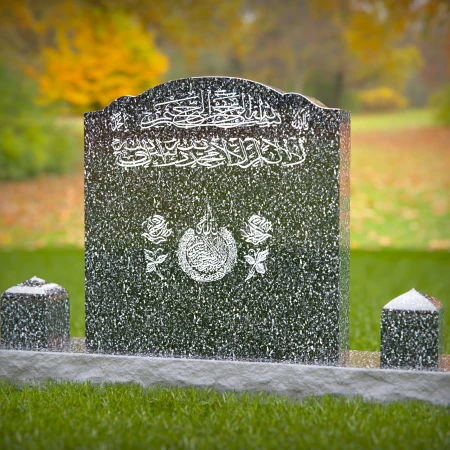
(221, 109)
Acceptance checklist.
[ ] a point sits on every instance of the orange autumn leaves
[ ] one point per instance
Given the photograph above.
(96, 59)
(42, 212)
(400, 189)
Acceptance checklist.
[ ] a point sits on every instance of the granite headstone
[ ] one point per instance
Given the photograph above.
(217, 224)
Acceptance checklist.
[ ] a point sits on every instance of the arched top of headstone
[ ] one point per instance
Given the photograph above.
(211, 100)
(414, 301)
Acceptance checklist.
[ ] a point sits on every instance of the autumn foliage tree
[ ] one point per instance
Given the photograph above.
(100, 61)
(327, 48)
(89, 53)
(88, 58)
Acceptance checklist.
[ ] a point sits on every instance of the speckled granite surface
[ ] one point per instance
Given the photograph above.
(35, 315)
(412, 332)
(217, 214)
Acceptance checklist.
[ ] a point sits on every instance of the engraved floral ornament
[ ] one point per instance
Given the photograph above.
(256, 232)
(157, 232)
(153, 260)
(256, 261)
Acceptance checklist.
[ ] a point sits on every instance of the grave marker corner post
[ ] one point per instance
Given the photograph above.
(217, 224)
(35, 315)
(412, 332)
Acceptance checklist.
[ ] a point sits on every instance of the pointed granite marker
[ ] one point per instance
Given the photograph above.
(412, 332)
(34, 315)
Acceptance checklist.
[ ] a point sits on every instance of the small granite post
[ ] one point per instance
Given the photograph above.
(34, 315)
(412, 332)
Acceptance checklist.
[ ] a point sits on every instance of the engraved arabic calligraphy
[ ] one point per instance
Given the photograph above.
(207, 253)
(301, 120)
(117, 121)
(244, 153)
(221, 109)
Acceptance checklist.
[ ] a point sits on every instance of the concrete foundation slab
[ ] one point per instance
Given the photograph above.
(292, 380)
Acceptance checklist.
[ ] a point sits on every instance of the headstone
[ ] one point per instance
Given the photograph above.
(35, 315)
(217, 224)
(412, 332)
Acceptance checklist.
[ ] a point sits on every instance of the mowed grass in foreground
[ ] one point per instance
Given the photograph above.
(376, 278)
(108, 416)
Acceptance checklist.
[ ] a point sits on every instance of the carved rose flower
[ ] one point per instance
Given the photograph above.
(256, 230)
(157, 230)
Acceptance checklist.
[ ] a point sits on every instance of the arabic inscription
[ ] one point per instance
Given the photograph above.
(209, 153)
(207, 253)
(221, 109)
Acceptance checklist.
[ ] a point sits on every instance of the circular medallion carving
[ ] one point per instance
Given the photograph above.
(207, 254)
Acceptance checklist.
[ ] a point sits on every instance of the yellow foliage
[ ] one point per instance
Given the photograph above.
(382, 99)
(375, 40)
(98, 50)
(99, 58)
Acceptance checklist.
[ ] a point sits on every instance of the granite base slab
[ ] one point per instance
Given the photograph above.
(293, 380)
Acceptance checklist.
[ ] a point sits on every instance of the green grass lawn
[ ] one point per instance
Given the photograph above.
(376, 278)
(390, 121)
(82, 416)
